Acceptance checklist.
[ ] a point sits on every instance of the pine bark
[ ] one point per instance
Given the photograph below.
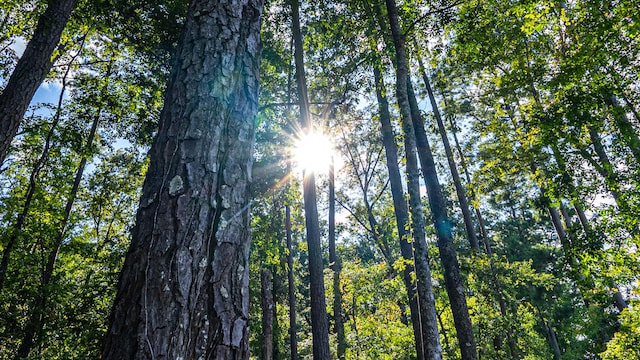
(183, 291)
(453, 280)
(31, 69)
(319, 320)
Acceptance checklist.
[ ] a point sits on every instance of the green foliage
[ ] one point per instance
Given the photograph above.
(625, 342)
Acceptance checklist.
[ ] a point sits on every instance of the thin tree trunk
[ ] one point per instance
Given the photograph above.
(400, 209)
(35, 323)
(453, 167)
(426, 298)
(606, 169)
(618, 299)
(553, 339)
(319, 321)
(463, 164)
(267, 314)
(336, 265)
(17, 228)
(31, 69)
(293, 328)
(277, 297)
(183, 290)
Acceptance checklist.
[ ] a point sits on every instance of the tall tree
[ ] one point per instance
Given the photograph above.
(453, 167)
(336, 265)
(400, 209)
(32, 68)
(183, 290)
(268, 311)
(319, 321)
(448, 257)
(35, 323)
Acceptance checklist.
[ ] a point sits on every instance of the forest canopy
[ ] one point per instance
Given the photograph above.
(292, 179)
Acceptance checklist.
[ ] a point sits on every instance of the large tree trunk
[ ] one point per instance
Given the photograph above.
(183, 290)
(319, 321)
(453, 280)
(399, 207)
(453, 167)
(32, 68)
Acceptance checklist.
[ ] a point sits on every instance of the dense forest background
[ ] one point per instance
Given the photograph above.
(531, 110)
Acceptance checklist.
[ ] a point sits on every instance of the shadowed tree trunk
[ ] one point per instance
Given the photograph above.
(319, 321)
(183, 290)
(32, 68)
(453, 280)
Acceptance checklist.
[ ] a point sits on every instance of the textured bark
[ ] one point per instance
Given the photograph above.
(293, 328)
(453, 280)
(319, 321)
(400, 208)
(336, 265)
(268, 308)
(453, 167)
(183, 291)
(31, 69)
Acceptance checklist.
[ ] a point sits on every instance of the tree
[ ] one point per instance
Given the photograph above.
(32, 68)
(319, 321)
(183, 287)
(411, 120)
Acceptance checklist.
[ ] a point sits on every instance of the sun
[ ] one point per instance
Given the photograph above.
(313, 152)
